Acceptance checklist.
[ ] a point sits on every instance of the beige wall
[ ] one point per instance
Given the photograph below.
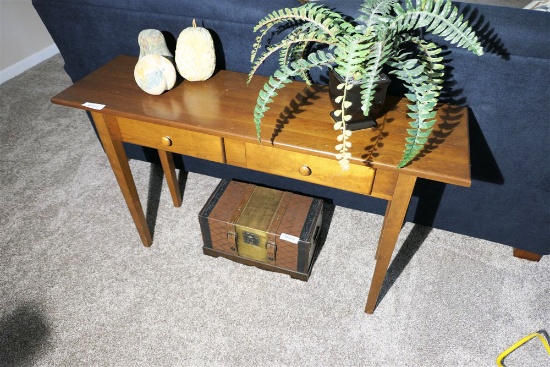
(23, 36)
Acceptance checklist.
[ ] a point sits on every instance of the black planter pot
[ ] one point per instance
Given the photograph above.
(358, 119)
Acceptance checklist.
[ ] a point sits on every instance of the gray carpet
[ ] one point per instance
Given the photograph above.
(78, 289)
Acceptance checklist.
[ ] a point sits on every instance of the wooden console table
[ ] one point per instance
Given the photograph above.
(212, 120)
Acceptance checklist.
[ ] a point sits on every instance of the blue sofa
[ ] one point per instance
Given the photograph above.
(506, 90)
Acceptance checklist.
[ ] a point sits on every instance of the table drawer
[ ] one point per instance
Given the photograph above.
(172, 139)
(304, 167)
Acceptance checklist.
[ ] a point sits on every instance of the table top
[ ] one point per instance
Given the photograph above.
(298, 119)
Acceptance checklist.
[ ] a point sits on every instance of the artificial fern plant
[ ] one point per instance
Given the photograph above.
(358, 50)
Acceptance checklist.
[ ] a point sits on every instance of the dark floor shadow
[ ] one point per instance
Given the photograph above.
(182, 181)
(23, 333)
(156, 176)
(412, 243)
(328, 212)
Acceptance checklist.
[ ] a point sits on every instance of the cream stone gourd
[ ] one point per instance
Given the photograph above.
(195, 55)
(154, 72)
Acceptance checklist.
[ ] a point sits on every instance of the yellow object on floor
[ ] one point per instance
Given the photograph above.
(524, 340)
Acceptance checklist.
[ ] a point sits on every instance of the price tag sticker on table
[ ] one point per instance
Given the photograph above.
(95, 106)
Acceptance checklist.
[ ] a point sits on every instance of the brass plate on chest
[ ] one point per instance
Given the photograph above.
(258, 218)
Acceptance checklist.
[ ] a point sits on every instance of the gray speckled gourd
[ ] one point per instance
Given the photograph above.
(155, 71)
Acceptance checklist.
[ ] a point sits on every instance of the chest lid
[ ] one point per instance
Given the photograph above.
(263, 209)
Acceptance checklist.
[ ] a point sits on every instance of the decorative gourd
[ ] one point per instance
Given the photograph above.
(195, 55)
(152, 42)
(154, 72)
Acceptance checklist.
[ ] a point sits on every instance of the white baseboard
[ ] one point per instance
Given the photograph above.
(27, 63)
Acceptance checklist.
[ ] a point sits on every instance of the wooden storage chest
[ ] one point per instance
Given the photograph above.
(267, 228)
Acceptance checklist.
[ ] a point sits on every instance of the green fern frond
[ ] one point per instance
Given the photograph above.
(350, 54)
(298, 49)
(279, 79)
(378, 56)
(291, 53)
(372, 11)
(443, 21)
(423, 95)
(321, 17)
(305, 14)
(257, 44)
(287, 44)
(351, 57)
(430, 56)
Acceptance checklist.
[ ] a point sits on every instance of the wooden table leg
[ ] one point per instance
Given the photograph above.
(106, 124)
(526, 255)
(167, 161)
(393, 221)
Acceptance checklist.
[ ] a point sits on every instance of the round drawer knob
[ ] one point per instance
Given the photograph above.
(166, 141)
(304, 170)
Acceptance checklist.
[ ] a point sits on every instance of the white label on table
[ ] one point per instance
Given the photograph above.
(94, 106)
(289, 238)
